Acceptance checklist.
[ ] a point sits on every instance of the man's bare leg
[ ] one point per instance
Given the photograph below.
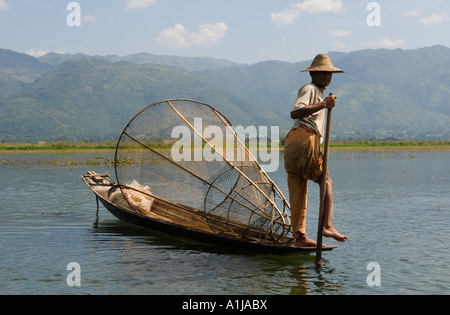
(328, 228)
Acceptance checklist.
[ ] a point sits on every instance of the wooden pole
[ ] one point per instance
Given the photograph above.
(323, 191)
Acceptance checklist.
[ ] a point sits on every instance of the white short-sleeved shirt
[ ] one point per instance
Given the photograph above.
(308, 95)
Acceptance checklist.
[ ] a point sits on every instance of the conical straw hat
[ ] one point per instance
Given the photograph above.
(323, 63)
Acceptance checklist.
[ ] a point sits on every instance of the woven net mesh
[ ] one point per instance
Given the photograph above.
(188, 153)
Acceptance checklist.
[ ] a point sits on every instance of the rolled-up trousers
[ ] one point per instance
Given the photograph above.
(303, 161)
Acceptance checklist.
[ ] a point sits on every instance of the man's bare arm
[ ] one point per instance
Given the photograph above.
(328, 102)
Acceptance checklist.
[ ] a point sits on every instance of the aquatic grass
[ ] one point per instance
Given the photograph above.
(364, 143)
(111, 145)
(74, 146)
(402, 143)
(58, 146)
(72, 162)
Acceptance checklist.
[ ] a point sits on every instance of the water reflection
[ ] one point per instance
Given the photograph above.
(291, 274)
(50, 218)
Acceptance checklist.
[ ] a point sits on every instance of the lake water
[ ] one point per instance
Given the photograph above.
(393, 204)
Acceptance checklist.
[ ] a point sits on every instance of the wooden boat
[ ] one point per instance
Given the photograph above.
(206, 185)
(181, 220)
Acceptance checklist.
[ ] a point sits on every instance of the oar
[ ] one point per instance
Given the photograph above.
(323, 192)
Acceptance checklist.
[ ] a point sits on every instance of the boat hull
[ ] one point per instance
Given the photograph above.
(100, 186)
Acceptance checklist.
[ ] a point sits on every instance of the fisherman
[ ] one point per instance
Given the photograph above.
(303, 158)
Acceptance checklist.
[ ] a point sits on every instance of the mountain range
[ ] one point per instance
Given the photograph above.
(384, 94)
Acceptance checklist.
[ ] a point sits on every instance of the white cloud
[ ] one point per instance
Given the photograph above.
(340, 33)
(385, 43)
(288, 16)
(40, 53)
(173, 37)
(179, 36)
(139, 4)
(209, 34)
(435, 19)
(3, 5)
(320, 6)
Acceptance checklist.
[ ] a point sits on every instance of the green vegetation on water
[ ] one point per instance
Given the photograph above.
(108, 148)
(111, 145)
(58, 146)
(390, 144)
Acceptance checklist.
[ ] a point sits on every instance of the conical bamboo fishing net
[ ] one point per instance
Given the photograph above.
(188, 153)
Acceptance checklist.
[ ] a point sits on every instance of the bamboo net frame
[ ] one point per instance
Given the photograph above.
(234, 195)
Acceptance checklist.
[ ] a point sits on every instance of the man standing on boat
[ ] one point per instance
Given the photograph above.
(303, 158)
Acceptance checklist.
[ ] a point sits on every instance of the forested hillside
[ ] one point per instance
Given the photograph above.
(384, 94)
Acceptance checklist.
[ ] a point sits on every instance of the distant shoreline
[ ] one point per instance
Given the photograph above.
(108, 146)
(394, 145)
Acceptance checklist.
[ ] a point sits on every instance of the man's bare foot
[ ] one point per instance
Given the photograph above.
(333, 233)
(305, 241)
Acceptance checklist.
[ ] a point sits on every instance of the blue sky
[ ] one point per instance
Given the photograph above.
(243, 31)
